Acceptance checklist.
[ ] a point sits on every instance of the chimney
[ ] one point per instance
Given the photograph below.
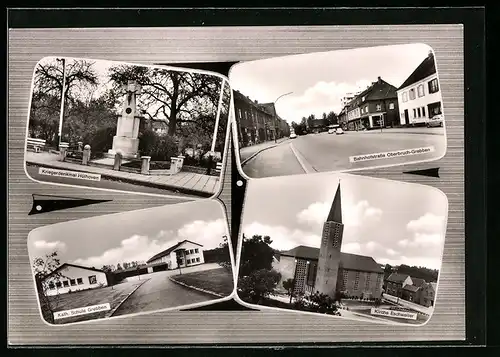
(379, 79)
(430, 54)
(256, 102)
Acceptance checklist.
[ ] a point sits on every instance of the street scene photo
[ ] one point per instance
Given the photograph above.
(338, 110)
(342, 245)
(155, 259)
(127, 127)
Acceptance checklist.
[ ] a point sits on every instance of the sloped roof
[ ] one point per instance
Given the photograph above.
(303, 251)
(381, 90)
(418, 282)
(170, 250)
(348, 261)
(411, 288)
(335, 214)
(74, 266)
(397, 278)
(424, 69)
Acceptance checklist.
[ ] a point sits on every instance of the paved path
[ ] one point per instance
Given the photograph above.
(249, 151)
(160, 293)
(184, 182)
(328, 152)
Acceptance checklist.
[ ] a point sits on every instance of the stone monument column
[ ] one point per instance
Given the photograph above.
(127, 128)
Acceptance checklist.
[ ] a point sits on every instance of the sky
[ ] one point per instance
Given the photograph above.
(393, 222)
(130, 236)
(319, 80)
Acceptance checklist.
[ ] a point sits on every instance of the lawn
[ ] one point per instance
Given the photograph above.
(218, 281)
(113, 295)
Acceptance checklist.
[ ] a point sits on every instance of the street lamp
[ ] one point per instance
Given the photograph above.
(276, 100)
(61, 114)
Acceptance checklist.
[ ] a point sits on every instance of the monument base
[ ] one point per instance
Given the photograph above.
(128, 147)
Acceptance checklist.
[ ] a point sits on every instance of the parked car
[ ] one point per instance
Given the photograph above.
(339, 131)
(436, 120)
(332, 131)
(293, 136)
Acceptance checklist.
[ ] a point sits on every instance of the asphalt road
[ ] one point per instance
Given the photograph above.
(329, 152)
(103, 183)
(159, 293)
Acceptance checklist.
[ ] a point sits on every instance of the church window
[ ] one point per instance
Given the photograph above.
(356, 281)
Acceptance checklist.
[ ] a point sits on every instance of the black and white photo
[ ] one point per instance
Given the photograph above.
(134, 262)
(127, 127)
(343, 245)
(338, 110)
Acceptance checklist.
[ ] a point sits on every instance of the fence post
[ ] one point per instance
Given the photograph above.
(86, 155)
(145, 164)
(118, 162)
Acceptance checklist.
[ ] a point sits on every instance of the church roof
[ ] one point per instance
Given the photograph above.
(335, 214)
(348, 261)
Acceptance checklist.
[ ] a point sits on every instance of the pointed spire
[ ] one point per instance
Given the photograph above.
(335, 214)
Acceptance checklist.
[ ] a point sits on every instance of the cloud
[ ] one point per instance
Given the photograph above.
(391, 252)
(322, 97)
(420, 260)
(282, 237)
(428, 223)
(352, 215)
(353, 248)
(207, 233)
(142, 248)
(46, 247)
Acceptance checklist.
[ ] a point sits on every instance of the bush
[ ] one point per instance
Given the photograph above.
(258, 285)
(100, 141)
(159, 147)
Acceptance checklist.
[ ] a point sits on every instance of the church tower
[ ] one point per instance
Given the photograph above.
(329, 253)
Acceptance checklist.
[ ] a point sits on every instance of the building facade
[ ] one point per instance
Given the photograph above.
(375, 107)
(326, 269)
(411, 289)
(191, 253)
(419, 97)
(70, 278)
(257, 122)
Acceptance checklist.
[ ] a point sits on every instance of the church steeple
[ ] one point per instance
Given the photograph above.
(335, 214)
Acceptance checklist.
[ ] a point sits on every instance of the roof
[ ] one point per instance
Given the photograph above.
(397, 278)
(169, 250)
(381, 90)
(348, 261)
(335, 214)
(411, 288)
(74, 266)
(424, 70)
(418, 282)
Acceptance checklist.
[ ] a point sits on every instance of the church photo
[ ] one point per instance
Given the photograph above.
(343, 245)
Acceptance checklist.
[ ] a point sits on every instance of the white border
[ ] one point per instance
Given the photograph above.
(346, 176)
(170, 68)
(178, 308)
(235, 131)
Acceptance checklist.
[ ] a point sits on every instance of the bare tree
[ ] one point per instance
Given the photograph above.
(174, 97)
(81, 78)
(48, 278)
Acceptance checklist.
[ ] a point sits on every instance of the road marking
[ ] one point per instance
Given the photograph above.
(302, 161)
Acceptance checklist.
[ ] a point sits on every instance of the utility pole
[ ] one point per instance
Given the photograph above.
(63, 95)
(275, 114)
